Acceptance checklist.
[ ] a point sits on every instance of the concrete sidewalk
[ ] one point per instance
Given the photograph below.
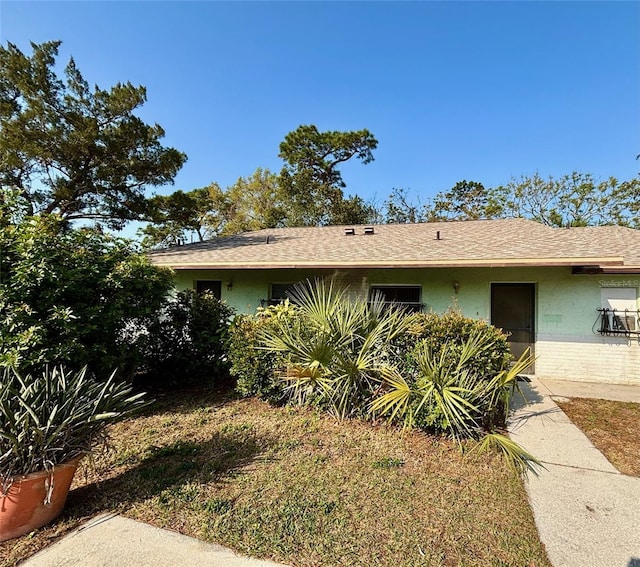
(587, 513)
(115, 541)
(567, 389)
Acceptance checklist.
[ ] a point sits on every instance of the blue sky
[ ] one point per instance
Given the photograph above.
(480, 91)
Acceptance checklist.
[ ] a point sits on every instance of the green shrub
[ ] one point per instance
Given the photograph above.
(449, 332)
(186, 344)
(255, 368)
(356, 358)
(73, 297)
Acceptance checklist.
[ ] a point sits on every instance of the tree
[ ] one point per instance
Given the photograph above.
(251, 203)
(576, 199)
(401, 208)
(353, 210)
(175, 218)
(311, 182)
(71, 150)
(466, 200)
(255, 202)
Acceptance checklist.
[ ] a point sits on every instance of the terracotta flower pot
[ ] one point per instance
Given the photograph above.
(27, 505)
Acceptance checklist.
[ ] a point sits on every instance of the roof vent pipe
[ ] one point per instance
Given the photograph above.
(349, 231)
(438, 235)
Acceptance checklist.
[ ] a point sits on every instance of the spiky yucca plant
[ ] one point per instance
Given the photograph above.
(49, 419)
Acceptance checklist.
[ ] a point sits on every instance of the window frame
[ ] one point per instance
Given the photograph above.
(271, 300)
(412, 306)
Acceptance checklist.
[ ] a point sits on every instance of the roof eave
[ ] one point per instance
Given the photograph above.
(608, 262)
(611, 270)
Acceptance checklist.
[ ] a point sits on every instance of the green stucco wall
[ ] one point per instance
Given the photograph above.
(565, 304)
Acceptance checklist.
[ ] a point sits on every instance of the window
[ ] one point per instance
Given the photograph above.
(212, 286)
(278, 293)
(408, 296)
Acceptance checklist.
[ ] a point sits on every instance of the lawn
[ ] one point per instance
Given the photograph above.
(613, 427)
(294, 486)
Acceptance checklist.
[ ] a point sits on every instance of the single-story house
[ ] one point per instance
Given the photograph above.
(570, 294)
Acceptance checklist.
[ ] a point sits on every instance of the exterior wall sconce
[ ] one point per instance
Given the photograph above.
(229, 286)
(456, 286)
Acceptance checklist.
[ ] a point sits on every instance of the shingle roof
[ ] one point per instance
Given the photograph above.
(505, 242)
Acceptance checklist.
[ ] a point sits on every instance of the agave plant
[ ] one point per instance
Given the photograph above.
(49, 419)
(336, 345)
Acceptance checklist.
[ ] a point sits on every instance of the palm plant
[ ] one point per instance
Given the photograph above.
(443, 395)
(447, 395)
(51, 418)
(339, 352)
(336, 345)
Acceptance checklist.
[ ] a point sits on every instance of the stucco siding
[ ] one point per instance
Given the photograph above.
(567, 346)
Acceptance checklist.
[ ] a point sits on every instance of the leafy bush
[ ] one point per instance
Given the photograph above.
(186, 344)
(445, 374)
(253, 367)
(50, 418)
(449, 332)
(73, 297)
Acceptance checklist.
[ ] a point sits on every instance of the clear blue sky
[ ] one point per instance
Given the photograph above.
(457, 90)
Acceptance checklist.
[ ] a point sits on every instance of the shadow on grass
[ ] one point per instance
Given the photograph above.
(186, 401)
(170, 468)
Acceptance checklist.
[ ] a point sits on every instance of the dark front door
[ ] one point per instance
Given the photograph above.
(512, 310)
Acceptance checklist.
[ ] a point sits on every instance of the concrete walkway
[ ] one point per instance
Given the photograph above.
(566, 389)
(587, 513)
(114, 541)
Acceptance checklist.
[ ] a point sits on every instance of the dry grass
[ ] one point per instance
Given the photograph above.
(613, 427)
(294, 486)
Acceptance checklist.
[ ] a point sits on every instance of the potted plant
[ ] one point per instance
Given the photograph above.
(47, 423)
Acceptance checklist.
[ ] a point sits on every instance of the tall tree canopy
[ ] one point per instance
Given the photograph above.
(576, 199)
(466, 200)
(72, 150)
(311, 180)
(175, 218)
(255, 202)
(403, 208)
(308, 192)
(251, 203)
